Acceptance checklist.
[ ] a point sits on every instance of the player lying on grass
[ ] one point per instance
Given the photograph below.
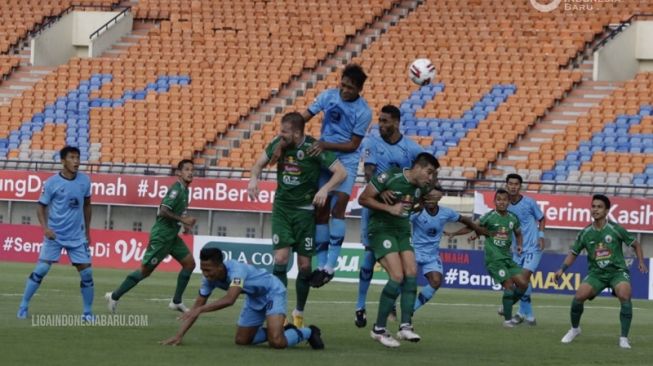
(265, 301)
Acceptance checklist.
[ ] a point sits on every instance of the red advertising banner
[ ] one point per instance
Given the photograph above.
(573, 212)
(141, 190)
(109, 249)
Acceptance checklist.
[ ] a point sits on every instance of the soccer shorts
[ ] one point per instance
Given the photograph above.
(346, 185)
(78, 252)
(601, 280)
(502, 270)
(295, 228)
(529, 261)
(157, 250)
(384, 242)
(434, 265)
(251, 317)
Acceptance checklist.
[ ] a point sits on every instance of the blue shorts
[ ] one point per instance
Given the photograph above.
(78, 253)
(250, 317)
(434, 265)
(347, 185)
(529, 261)
(365, 219)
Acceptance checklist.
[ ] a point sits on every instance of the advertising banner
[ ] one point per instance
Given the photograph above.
(573, 212)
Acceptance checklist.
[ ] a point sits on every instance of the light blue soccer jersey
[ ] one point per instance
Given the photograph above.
(428, 230)
(384, 156)
(258, 285)
(64, 199)
(529, 215)
(341, 121)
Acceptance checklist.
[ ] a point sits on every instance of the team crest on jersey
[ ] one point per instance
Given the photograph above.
(510, 225)
(173, 194)
(608, 239)
(300, 154)
(382, 177)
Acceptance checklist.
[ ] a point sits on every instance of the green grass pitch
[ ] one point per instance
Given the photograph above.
(457, 328)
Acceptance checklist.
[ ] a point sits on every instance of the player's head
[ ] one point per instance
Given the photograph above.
(425, 169)
(433, 197)
(70, 159)
(501, 200)
(600, 206)
(513, 183)
(352, 81)
(211, 263)
(185, 170)
(292, 128)
(389, 120)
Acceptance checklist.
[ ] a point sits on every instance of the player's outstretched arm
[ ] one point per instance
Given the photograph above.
(640, 256)
(188, 321)
(479, 230)
(569, 260)
(345, 147)
(339, 175)
(255, 173)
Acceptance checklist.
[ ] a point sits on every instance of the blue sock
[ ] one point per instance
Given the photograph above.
(34, 281)
(365, 278)
(525, 306)
(260, 336)
(337, 236)
(424, 296)
(87, 289)
(297, 335)
(321, 244)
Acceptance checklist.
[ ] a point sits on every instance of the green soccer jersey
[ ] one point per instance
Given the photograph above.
(501, 227)
(604, 247)
(298, 173)
(177, 201)
(395, 181)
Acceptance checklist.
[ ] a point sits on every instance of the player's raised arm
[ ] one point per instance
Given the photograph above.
(468, 222)
(255, 173)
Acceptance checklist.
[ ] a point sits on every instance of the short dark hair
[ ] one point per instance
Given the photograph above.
(393, 111)
(355, 73)
(424, 159)
(213, 254)
(295, 119)
(181, 164)
(67, 150)
(603, 198)
(514, 176)
(500, 191)
(437, 187)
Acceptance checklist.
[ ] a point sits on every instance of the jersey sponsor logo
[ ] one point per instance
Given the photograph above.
(73, 203)
(291, 180)
(173, 194)
(602, 255)
(387, 244)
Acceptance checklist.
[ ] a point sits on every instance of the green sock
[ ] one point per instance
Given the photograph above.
(132, 280)
(279, 270)
(408, 294)
(302, 287)
(182, 282)
(388, 297)
(508, 300)
(517, 294)
(576, 312)
(625, 317)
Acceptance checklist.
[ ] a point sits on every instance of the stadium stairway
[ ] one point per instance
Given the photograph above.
(23, 78)
(577, 103)
(139, 31)
(307, 80)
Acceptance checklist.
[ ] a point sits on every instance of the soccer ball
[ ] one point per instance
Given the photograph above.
(421, 71)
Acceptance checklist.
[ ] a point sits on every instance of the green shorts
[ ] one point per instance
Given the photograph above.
(158, 249)
(295, 228)
(384, 242)
(599, 281)
(503, 269)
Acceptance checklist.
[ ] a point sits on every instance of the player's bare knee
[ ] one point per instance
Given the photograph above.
(435, 282)
(242, 341)
(190, 265)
